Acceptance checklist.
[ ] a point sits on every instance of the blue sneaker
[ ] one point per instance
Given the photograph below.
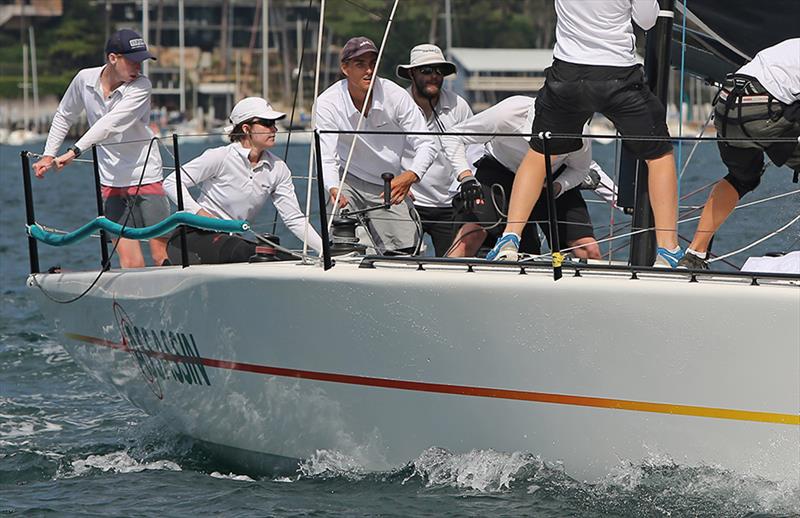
(506, 249)
(667, 258)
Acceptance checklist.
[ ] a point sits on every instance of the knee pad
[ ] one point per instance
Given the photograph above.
(743, 185)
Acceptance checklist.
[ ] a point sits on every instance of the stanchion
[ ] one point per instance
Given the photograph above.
(179, 185)
(98, 194)
(555, 245)
(323, 198)
(33, 248)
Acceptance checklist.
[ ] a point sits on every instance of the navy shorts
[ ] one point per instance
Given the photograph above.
(571, 211)
(573, 93)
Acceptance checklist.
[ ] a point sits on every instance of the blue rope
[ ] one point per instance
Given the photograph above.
(159, 229)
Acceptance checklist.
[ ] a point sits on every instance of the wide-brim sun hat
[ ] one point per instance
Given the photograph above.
(426, 54)
(252, 108)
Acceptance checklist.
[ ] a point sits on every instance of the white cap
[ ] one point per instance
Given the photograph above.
(426, 54)
(251, 108)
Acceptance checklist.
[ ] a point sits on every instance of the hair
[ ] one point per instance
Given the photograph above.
(237, 133)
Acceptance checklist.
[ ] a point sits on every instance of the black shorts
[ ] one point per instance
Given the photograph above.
(759, 121)
(573, 93)
(207, 247)
(496, 179)
(438, 223)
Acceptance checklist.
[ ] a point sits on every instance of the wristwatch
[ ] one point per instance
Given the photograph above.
(76, 150)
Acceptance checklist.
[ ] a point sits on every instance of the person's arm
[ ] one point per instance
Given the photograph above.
(134, 105)
(489, 121)
(410, 118)
(193, 173)
(285, 201)
(606, 189)
(578, 163)
(645, 13)
(69, 109)
(326, 120)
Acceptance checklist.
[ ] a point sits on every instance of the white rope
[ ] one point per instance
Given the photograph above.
(754, 243)
(694, 218)
(312, 152)
(367, 101)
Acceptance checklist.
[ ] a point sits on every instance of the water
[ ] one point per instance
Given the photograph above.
(70, 447)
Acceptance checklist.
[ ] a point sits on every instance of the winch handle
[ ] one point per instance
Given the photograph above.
(387, 188)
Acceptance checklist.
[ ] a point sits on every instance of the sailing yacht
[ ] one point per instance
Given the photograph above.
(379, 358)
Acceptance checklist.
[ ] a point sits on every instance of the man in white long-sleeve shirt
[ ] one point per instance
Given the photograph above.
(503, 156)
(235, 182)
(116, 98)
(595, 70)
(443, 109)
(389, 109)
(760, 101)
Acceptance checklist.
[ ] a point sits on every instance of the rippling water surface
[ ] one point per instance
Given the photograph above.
(68, 446)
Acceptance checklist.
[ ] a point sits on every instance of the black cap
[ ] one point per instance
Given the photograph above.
(130, 44)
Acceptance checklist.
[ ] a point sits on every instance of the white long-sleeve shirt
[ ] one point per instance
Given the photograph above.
(515, 116)
(777, 68)
(232, 188)
(392, 109)
(118, 124)
(434, 188)
(599, 32)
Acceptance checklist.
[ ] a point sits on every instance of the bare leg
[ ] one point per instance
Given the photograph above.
(720, 204)
(158, 250)
(527, 188)
(663, 188)
(468, 240)
(587, 248)
(130, 253)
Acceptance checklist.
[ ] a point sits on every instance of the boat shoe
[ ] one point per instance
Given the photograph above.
(667, 259)
(506, 249)
(693, 262)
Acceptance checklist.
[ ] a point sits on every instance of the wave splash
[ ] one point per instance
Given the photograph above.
(657, 486)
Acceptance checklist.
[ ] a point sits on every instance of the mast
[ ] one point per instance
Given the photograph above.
(265, 49)
(633, 173)
(448, 27)
(34, 81)
(181, 57)
(25, 108)
(145, 31)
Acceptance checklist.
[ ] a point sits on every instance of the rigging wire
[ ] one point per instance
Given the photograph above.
(312, 151)
(294, 100)
(367, 101)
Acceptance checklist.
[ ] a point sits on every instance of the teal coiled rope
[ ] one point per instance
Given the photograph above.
(159, 229)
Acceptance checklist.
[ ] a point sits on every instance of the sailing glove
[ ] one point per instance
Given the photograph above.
(471, 192)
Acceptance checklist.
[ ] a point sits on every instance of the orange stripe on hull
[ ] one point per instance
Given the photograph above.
(463, 390)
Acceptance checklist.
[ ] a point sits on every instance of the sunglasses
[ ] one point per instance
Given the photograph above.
(263, 122)
(428, 70)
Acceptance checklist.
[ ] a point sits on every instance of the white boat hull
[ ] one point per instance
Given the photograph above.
(381, 364)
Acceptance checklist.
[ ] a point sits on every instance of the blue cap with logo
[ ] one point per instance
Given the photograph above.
(130, 44)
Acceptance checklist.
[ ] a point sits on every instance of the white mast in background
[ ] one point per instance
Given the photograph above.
(448, 27)
(265, 49)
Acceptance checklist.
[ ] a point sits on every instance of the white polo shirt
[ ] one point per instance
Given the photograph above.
(392, 109)
(434, 188)
(599, 32)
(118, 124)
(515, 115)
(232, 188)
(777, 68)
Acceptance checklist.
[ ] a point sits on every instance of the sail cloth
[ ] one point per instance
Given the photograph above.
(723, 36)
